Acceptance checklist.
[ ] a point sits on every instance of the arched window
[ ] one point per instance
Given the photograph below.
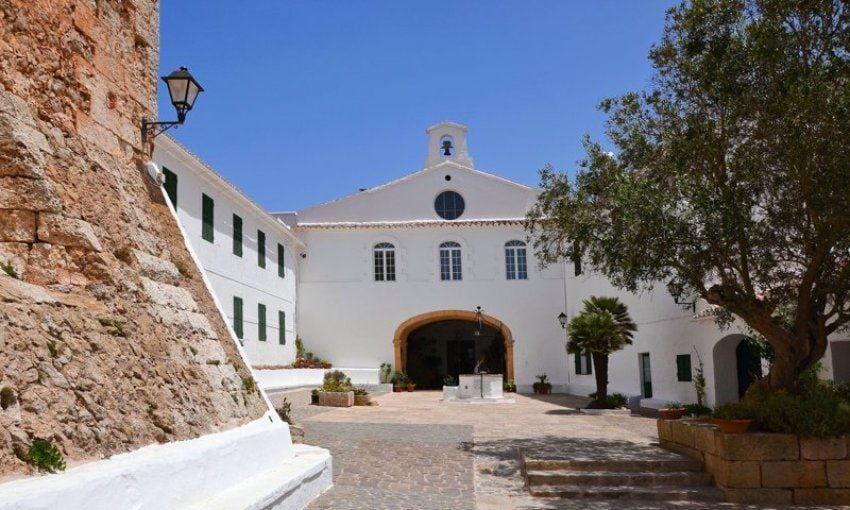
(384, 262)
(450, 266)
(449, 205)
(516, 265)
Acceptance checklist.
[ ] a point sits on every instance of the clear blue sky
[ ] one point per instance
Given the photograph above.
(307, 101)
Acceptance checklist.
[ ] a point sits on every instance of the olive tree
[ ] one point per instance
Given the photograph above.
(729, 177)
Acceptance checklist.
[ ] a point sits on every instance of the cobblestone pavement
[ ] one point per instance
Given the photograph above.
(412, 451)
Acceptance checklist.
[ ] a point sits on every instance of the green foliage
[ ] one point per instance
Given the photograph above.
(284, 411)
(613, 401)
(449, 380)
(542, 379)
(726, 180)
(214, 362)
(699, 381)
(603, 326)
(399, 378)
(299, 348)
(7, 268)
(249, 384)
(386, 372)
(734, 411)
(360, 392)
(45, 456)
(509, 386)
(336, 381)
(116, 326)
(697, 410)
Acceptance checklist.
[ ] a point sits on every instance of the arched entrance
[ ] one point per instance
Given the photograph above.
(436, 343)
(737, 362)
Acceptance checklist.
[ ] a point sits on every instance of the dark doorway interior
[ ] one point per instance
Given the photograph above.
(452, 347)
(748, 361)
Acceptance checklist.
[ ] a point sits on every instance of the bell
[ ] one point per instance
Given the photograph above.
(447, 147)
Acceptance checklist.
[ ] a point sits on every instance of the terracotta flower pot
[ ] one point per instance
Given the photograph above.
(397, 389)
(732, 426)
(410, 386)
(671, 413)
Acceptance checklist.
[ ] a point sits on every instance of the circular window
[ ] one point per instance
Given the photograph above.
(449, 205)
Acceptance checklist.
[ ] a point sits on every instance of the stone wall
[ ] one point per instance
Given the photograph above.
(766, 468)
(108, 338)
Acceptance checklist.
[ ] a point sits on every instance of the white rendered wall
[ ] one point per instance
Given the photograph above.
(230, 274)
(350, 319)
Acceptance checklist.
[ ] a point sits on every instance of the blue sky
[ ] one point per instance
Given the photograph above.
(307, 101)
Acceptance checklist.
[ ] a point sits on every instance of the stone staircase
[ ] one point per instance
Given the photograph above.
(658, 475)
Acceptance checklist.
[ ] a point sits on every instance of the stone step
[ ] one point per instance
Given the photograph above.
(630, 493)
(609, 478)
(613, 465)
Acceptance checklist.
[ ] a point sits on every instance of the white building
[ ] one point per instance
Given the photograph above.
(250, 257)
(397, 274)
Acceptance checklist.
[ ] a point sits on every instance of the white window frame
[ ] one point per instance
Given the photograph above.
(384, 262)
(516, 260)
(451, 259)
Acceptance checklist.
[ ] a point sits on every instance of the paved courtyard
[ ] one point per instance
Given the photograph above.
(412, 451)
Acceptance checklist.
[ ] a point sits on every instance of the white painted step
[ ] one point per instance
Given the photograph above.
(289, 486)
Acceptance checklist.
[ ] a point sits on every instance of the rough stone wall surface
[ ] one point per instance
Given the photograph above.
(108, 338)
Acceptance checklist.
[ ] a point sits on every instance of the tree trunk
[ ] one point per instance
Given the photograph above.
(600, 368)
(790, 361)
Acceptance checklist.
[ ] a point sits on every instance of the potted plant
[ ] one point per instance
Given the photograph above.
(399, 380)
(542, 386)
(314, 396)
(410, 385)
(510, 386)
(449, 380)
(336, 390)
(361, 397)
(697, 412)
(386, 373)
(733, 418)
(673, 411)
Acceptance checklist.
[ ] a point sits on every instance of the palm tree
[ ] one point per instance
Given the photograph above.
(602, 328)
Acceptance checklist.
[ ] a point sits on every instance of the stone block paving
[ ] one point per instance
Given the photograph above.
(413, 451)
(394, 466)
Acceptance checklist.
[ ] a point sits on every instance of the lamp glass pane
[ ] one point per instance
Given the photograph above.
(177, 88)
(192, 93)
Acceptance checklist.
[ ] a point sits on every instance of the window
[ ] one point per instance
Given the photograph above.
(237, 317)
(261, 248)
(261, 322)
(450, 265)
(384, 255)
(281, 266)
(516, 265)
(207, 215)
(281, 327)
(449, 205)
(683, 368)
(645, 375)
(237, 235)
(584, 363)
(170, 185)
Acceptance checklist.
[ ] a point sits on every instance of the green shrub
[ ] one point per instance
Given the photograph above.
(399, 378)
(284, 411)
(697, 410)
(299, 348)
(734, 411)
(613, 401)
(336, 381)
(819, 409)
(7, 268)
(360, 392)
(249, 384)
(45, 456)
(449, 380)
(510, 386)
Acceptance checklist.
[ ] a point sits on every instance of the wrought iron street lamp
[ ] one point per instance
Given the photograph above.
(562, 318)
(183, 89)
(479, 320)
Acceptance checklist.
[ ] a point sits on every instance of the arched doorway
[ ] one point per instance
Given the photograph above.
(436, 343)
(737, 363)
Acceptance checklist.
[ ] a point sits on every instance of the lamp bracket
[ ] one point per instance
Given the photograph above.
(154, 129)
(692, 305)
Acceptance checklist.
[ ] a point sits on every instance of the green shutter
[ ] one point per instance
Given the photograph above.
(261, 248)
(237, 235)
(578, 363)
(589, 358)
(281, 324)
(237, 316)
(683, 367)
(281, 267)
(170, 185)
(207, 215)
(261, 322)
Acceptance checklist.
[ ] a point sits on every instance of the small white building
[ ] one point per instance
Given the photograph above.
(250, 257)
(433, 273)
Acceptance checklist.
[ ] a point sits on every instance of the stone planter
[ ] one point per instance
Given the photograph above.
(450, 392)
(336, 398)
(362, 400)
(762, 468)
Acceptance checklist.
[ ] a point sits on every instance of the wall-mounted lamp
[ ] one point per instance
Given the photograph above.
(184, 90)
(479, 320)
(686, 304)
(562, 318)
